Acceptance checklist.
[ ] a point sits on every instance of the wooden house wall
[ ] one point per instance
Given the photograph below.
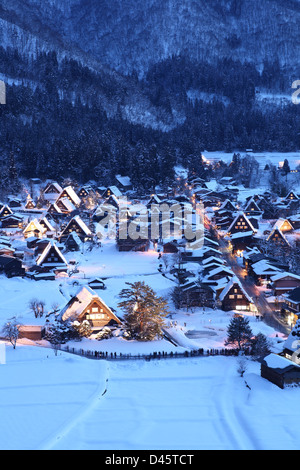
(286, 285)
(232, 303)
(272, 376)
(96, 308)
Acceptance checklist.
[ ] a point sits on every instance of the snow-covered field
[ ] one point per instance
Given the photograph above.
(67, 402)
(263, 158)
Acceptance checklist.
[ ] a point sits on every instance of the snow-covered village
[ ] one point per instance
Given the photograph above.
(149, 227)
(116, 323)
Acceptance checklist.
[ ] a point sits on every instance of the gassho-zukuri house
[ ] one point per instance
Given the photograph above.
(87, 305)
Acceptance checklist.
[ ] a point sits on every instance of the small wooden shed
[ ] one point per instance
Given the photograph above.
(280, 371)
(32, 332)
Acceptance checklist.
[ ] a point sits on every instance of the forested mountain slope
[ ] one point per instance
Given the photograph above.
(132, 34)
(96, 87)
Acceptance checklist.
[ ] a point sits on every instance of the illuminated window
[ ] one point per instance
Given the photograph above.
(95, 316)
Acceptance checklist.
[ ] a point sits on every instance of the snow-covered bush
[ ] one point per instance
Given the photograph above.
(83, 329)
(105, 333)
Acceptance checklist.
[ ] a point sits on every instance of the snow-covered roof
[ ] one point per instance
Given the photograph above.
(293, 296)
(278, 362)
(75, 237)
(5, 241)
(55, 207)
(55, 186)
(48, 224)
(13, 198)
(4, 208)
(219, 270)
(293, 341)
(241, 214)
(123, 180)
(79, 303)
(114, 198)
(209, 240)
(204, 249)
(280, 222)
(192, 267)
(88, 188)
(251, 252)
(217, 285)
(237, 235)
(97, 280)
(283, 275)
(44, 254)
(115, 191)
(67, 204)
(154, 198)
(264, 268)
(34, 225)
(252, 202)
(6, 248)
(227, 201)
(234, 281)
(213, 258)
(292, 192)
(71, 193)
(81, 224)
(5, 238)
(276, 230)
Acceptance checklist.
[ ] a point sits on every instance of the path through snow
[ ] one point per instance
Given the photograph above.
(192, 404)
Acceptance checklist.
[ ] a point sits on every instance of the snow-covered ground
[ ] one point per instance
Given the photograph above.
(191, 329)
(263, 158)
(104, 262)
(67, 402)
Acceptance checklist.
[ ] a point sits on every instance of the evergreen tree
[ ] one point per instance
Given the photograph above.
(4, 183)
(286, 168)
(239, 332)
(235, 164)
(145, 312)
(59, 333)
(260, 346)
(177, 297)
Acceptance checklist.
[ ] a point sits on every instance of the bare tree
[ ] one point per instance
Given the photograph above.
(55, 307)
(166, 261)
(37, 307)
(11, 331)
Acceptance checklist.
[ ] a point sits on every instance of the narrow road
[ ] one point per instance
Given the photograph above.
(248, 284)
